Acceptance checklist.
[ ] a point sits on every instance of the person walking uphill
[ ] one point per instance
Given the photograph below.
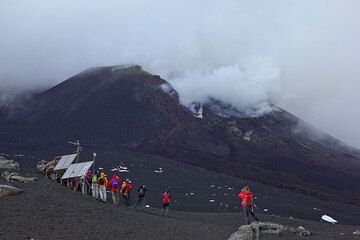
(166, 203)
(103, 182)
(114, 184)
(94, 185)
(247, 203)
(125, 190)
(141, 197)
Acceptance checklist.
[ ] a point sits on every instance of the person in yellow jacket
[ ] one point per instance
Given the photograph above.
(103, 182)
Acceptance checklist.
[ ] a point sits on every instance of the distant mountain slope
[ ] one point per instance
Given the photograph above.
(124, 106)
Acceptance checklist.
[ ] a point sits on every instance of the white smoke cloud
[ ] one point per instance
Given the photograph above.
(250, 89)
(302, 55)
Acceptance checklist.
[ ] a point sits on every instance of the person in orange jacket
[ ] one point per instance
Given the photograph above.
(114, 185)
(247, 203)
(103, 182)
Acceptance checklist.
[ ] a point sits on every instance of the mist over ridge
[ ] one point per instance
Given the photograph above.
(302, 56)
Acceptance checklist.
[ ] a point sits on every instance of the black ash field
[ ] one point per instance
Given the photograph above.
(46, 210)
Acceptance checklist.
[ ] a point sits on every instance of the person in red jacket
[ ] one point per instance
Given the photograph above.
(114, 185)
(166, 203)
(247, 203)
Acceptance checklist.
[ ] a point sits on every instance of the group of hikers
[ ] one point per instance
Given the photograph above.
(96, 184)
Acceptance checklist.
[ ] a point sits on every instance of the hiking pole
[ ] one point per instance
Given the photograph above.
(255, 205)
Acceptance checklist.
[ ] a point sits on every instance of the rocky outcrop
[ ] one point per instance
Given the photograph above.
(15, 177)
(42, 165)
(253, 231)
(8, 164)
(6, 190)
(300, 231)
(356, 233)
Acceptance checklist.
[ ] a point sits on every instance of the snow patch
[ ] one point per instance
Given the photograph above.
(328, 219)
(120, 67)
(247, 136)
(211, 200)
(160, 170)
(196, 110)
(120, 169)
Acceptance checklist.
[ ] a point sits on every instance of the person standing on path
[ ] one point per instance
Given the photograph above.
(87, 183)
(247, 203)
(114, 184)
(94, 185)
(141, 197)
(103, 182)
(166, 203)
(125, 190)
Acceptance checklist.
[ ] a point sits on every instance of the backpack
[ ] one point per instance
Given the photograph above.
(166, 198)
(115, 183)
(101, 181)
(141, 192)
(94, 178)
(123, 187)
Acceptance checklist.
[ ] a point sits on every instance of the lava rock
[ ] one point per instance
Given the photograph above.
(6, 190)
(8, 164)
(15, 177)
(252, 231)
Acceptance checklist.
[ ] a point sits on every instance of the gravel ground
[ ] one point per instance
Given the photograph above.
(46, 210)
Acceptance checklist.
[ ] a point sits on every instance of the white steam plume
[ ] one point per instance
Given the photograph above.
(250, 89)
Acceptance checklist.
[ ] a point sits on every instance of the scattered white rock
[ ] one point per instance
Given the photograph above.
(147, 206)
(357, 233)
(265, 210)
(211, 200)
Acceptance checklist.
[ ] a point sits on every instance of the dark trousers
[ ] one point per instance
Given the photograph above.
(248, 210)
(140, 203)
(126, 198)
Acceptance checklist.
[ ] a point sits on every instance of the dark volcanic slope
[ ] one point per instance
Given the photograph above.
(47, 210)
(124, 106)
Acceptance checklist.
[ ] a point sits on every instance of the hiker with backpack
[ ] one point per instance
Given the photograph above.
(103, 182)
(247, 203)
(114, 184)
(125, 191)
(166, 203)
(94, 185)
(141, 197)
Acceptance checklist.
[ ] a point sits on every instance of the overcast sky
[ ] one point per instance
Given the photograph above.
(301, 55)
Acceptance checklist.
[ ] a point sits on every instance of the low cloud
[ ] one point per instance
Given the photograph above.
(300, 55)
